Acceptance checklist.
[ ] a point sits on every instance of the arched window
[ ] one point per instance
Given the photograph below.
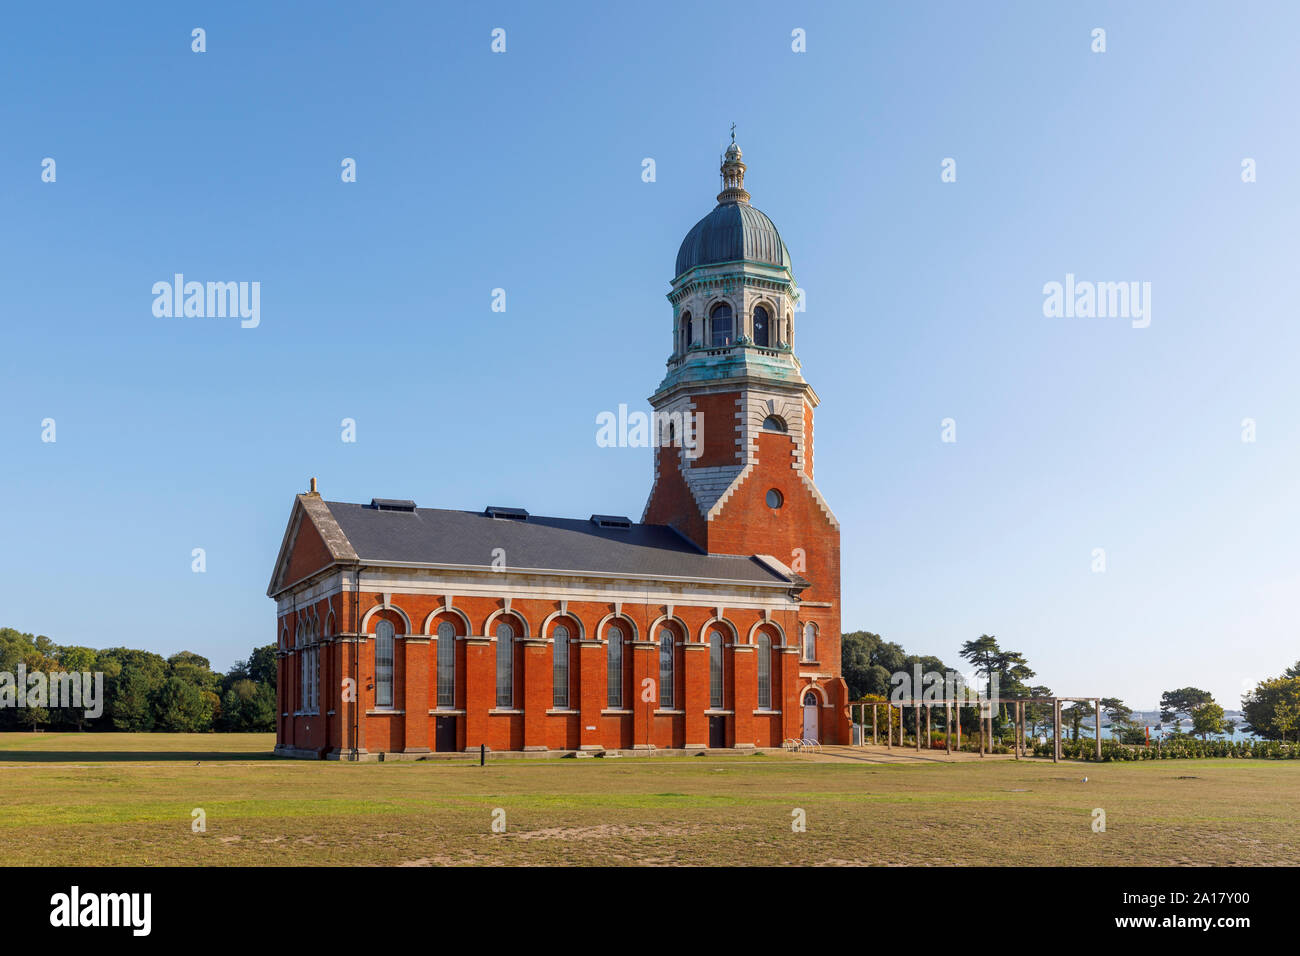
(764, 672)
(762, 335)
(300, 645)
(810, 699)
(560, 652)
(446, 665)
(688, 330)
(775, 423)
(720, 325)
(505, 665)
(614, 666)
(715, 670)
(313, 667)
(308, 667)
(384, 664)
(667, 670)
(810, 642)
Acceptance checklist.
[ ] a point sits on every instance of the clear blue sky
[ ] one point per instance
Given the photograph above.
(523, 171)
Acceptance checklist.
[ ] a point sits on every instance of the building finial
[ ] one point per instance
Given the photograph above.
(733, 173)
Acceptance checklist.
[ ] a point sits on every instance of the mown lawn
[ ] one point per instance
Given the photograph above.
(127, 799)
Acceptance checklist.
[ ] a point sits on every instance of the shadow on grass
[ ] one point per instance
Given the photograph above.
(127, 756)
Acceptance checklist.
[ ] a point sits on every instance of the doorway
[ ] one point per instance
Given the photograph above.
(444, 734)
(810, 710)
(717, 732)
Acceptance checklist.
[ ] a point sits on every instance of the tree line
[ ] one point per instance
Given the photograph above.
(143, 691)
(1272, 709)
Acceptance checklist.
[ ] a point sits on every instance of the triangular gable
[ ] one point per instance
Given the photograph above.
(312, 541)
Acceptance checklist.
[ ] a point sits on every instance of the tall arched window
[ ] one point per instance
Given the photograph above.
(720, 325)
(614, 666)
(384, 664)
(308, 664)
(715, 670)
(810, 642)
(446, 665)
(313, 667)
(762, 334)
(764, 672)
(301, 647)
(560, 677)
(688, 330)
(505, 665)
(667, 670)
(315, 680)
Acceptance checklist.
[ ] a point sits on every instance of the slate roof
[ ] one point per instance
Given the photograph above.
(467, 538)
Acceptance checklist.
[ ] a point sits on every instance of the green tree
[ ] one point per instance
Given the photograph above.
(1009, 667)
(1074, 714)
(1038, 717)
(248, 707)
(77, 660)
(1272, 709)
(1175, 704)
(1207, 719)
(182, 707)
(132, 699)
(261, 665)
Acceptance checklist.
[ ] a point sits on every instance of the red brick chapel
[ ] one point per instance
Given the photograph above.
(714, 622)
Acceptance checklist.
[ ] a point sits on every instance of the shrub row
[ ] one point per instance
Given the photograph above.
(1176, 749)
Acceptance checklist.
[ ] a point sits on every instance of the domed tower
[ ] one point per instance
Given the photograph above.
(734, 461)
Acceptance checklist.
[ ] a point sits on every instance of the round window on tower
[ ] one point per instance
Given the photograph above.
(774, 498)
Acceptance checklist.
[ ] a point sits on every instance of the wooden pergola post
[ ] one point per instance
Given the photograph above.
(928, 710)
(1097, 705)
(956, 707)
(875, 725)
(947, 725)
(916, 713)
(889, 726)
(1056, 730)
(1020, 729)
(1015, 729)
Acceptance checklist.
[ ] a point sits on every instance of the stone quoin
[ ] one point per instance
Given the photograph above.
(714, 622)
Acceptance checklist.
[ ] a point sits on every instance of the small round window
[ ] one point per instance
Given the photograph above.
(775, 499)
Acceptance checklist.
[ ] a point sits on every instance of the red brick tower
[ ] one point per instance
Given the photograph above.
(737, 477)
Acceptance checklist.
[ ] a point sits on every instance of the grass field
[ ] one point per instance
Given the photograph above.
(93, 799)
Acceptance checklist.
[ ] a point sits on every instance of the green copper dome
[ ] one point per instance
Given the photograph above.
(732, 231)
(735, 230)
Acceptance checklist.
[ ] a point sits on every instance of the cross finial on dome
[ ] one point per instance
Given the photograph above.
(733, 132)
